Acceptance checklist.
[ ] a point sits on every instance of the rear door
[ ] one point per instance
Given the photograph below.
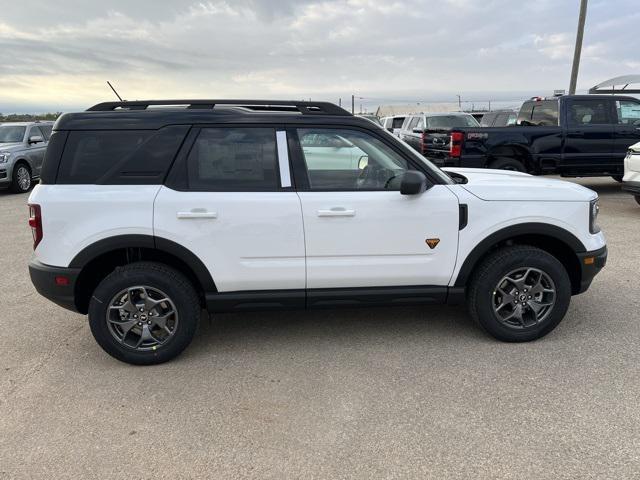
(627, 129)
(361, 232)
(229, 200)
(589, 137)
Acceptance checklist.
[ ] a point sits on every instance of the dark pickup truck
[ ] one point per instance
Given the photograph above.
(570, 135)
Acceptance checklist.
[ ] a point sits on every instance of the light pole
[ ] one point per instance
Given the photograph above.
(578, 49)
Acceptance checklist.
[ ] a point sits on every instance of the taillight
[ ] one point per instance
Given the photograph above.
(35, 222)
(423, 146)
(455, 144)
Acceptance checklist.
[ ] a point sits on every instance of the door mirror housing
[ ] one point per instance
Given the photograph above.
(413, 183)
(35, 139)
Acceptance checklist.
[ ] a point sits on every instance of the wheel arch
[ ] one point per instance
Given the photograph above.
(516, 151)
(102, 257)
(557, 241)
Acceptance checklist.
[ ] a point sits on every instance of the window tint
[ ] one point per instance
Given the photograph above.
(397, 122)
(545, 113)
(46, 130)
(589, 112)
(236, 159)
(628, 112)
(88, 155)
(368, 164)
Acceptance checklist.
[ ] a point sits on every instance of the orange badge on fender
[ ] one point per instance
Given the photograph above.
(432, 242)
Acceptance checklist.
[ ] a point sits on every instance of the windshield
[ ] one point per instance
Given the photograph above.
(11, 133)
(435, 170)
(451, 121)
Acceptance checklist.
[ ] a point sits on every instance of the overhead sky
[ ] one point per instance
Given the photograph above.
(58, 54)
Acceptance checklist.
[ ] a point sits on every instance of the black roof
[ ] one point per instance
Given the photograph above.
(154, 114)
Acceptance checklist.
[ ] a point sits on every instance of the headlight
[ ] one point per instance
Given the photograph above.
(594, 209)
(4, 157)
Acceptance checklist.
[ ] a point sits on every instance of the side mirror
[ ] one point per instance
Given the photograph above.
(413, 183)
(35, 139)
(417, 130)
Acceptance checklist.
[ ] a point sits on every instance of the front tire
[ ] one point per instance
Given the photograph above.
(144, 313)
(519, 293)
(505, 163)
(21, 178)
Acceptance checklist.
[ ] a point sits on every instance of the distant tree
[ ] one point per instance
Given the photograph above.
(28, 117)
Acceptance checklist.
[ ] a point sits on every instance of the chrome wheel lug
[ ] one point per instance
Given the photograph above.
(139, 324)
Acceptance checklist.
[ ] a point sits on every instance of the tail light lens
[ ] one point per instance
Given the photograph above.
(423, 147)
(455, 145)
(35, 222)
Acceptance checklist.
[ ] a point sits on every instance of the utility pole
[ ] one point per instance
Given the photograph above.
(578, 49)
(353, 104)
(459, 102)
(340, 101)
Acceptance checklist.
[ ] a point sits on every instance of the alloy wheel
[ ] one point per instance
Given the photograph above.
(24, 178)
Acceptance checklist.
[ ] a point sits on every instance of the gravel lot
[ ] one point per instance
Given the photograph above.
(375, 393)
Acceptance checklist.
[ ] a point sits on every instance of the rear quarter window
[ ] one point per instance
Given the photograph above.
(119, 156)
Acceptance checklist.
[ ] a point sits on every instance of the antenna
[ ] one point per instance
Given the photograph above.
(114, 91)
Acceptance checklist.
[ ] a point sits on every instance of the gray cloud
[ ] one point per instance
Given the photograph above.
(394, 49)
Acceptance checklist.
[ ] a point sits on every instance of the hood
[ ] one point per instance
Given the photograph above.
(635, 147)
(10, 147)
(489, 184)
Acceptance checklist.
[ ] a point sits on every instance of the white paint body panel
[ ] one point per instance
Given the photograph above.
(254, 242)
(378, 238)
(76, 216)
(632, 164)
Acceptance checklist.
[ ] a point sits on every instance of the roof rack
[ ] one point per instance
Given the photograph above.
(306, 108)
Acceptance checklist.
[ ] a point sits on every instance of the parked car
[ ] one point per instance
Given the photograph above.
(631, 180)
(499, 118)
(144, 216)
(414, 127)
(22, 147)
(393, 124)
(570, 135)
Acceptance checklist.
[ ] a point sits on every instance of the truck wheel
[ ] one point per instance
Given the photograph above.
(144, 313)
(637, 197)
(519, 293)
(21, 178)
(508, 164)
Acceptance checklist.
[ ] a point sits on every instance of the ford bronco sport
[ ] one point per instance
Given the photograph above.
(149, 211)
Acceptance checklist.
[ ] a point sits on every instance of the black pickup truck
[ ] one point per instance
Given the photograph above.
(570, 135)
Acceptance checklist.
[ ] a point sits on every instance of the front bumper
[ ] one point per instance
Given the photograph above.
(47, 280)
(590, 265)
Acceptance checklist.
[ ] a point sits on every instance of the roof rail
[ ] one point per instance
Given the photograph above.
(306, 108)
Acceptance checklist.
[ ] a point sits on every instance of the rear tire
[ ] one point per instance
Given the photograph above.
(21, 180)
(144, 313)
(514, 309)
(505, 163)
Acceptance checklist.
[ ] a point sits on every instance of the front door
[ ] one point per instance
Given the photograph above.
(360, 231)
(237, 211)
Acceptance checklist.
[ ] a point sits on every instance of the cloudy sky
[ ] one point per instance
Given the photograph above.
(58, 54)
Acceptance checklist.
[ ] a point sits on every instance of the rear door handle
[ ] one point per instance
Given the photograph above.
(337, 212)
(197, 213)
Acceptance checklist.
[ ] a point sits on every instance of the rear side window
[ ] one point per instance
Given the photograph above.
(397, 122)
(119, 156)
(545, 113)
(589, 112)
(234, 159)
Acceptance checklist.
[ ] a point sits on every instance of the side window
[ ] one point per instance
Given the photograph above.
(46, 130)
(35, 132)
(413, 123)
(628, 112)
(236, 159)
(524, 117)
(501, 119)
(420, 123)
(487, 119)
(397, 122)
(589, 112)
(545, 113)
(367, 164)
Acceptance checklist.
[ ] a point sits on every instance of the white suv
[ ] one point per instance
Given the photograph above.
(631, 179)
(144, 216)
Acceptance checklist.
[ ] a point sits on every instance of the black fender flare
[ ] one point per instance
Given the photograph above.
(117, 242)
(512, 231)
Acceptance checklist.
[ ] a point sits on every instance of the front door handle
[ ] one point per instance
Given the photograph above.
(337, 212)
(197, 213)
